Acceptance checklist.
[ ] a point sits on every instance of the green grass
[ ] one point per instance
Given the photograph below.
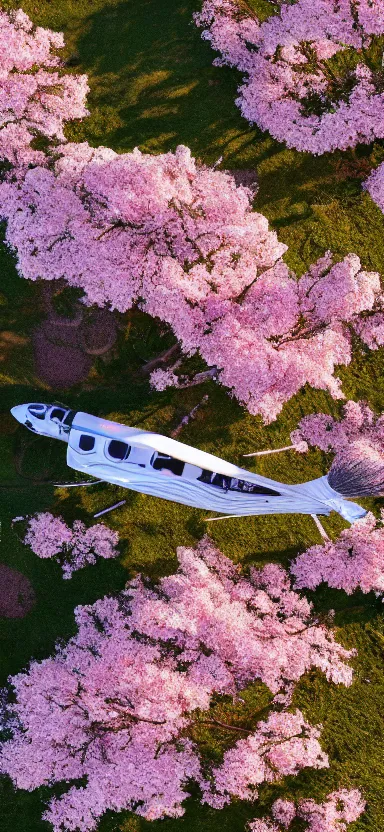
(153, 86)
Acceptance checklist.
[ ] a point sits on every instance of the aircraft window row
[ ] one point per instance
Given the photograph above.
(233, 484)
(119, 451)
(116, 450)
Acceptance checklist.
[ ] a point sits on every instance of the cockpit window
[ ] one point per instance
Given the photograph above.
(118, 450)
(162, 462)
(86, 443)
(69, 418)
(58, 413)
(38, 410)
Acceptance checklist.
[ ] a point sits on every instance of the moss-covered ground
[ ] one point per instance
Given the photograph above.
(153, 86)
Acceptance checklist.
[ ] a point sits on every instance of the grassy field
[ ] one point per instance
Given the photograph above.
(153, 86)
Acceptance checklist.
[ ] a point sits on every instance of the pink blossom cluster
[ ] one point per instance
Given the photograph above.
(230, 30)
(113, 706)
(181, 240)
(290, 89)
(354, 561)
(357, 424)
(106, 709)
(34, 99)
(263, 825)
(234, 616)
(337, 811)
(161, 379)
(287, 332)
(357, 440)
(282, 745)
(50, 537)
(371, 16)
(284, 811)
(132, 225)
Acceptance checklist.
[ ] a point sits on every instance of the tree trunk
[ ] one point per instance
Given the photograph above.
(160, 359)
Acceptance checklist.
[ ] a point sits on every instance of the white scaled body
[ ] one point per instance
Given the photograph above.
(154, 464)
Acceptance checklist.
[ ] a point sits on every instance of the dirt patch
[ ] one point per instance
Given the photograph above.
(64, 347)
(98, 332)
(17, 596)
(59, 365)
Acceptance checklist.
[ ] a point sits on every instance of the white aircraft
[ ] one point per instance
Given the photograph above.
(154, 464)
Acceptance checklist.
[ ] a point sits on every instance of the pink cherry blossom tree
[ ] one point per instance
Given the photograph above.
(293, 89)
(231, 29)
(338, 810)
(354, 561)
(247, 611)
(282, 745)
(50, 537)
(287, 332)
(35, 99)
(135, 226)
(93, 711)
(180, 240)
(358, 427)
(357, 423)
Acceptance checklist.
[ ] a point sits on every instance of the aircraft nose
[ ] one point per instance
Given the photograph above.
(20, 413)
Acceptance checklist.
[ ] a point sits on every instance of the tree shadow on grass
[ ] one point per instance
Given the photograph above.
(153, 83)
